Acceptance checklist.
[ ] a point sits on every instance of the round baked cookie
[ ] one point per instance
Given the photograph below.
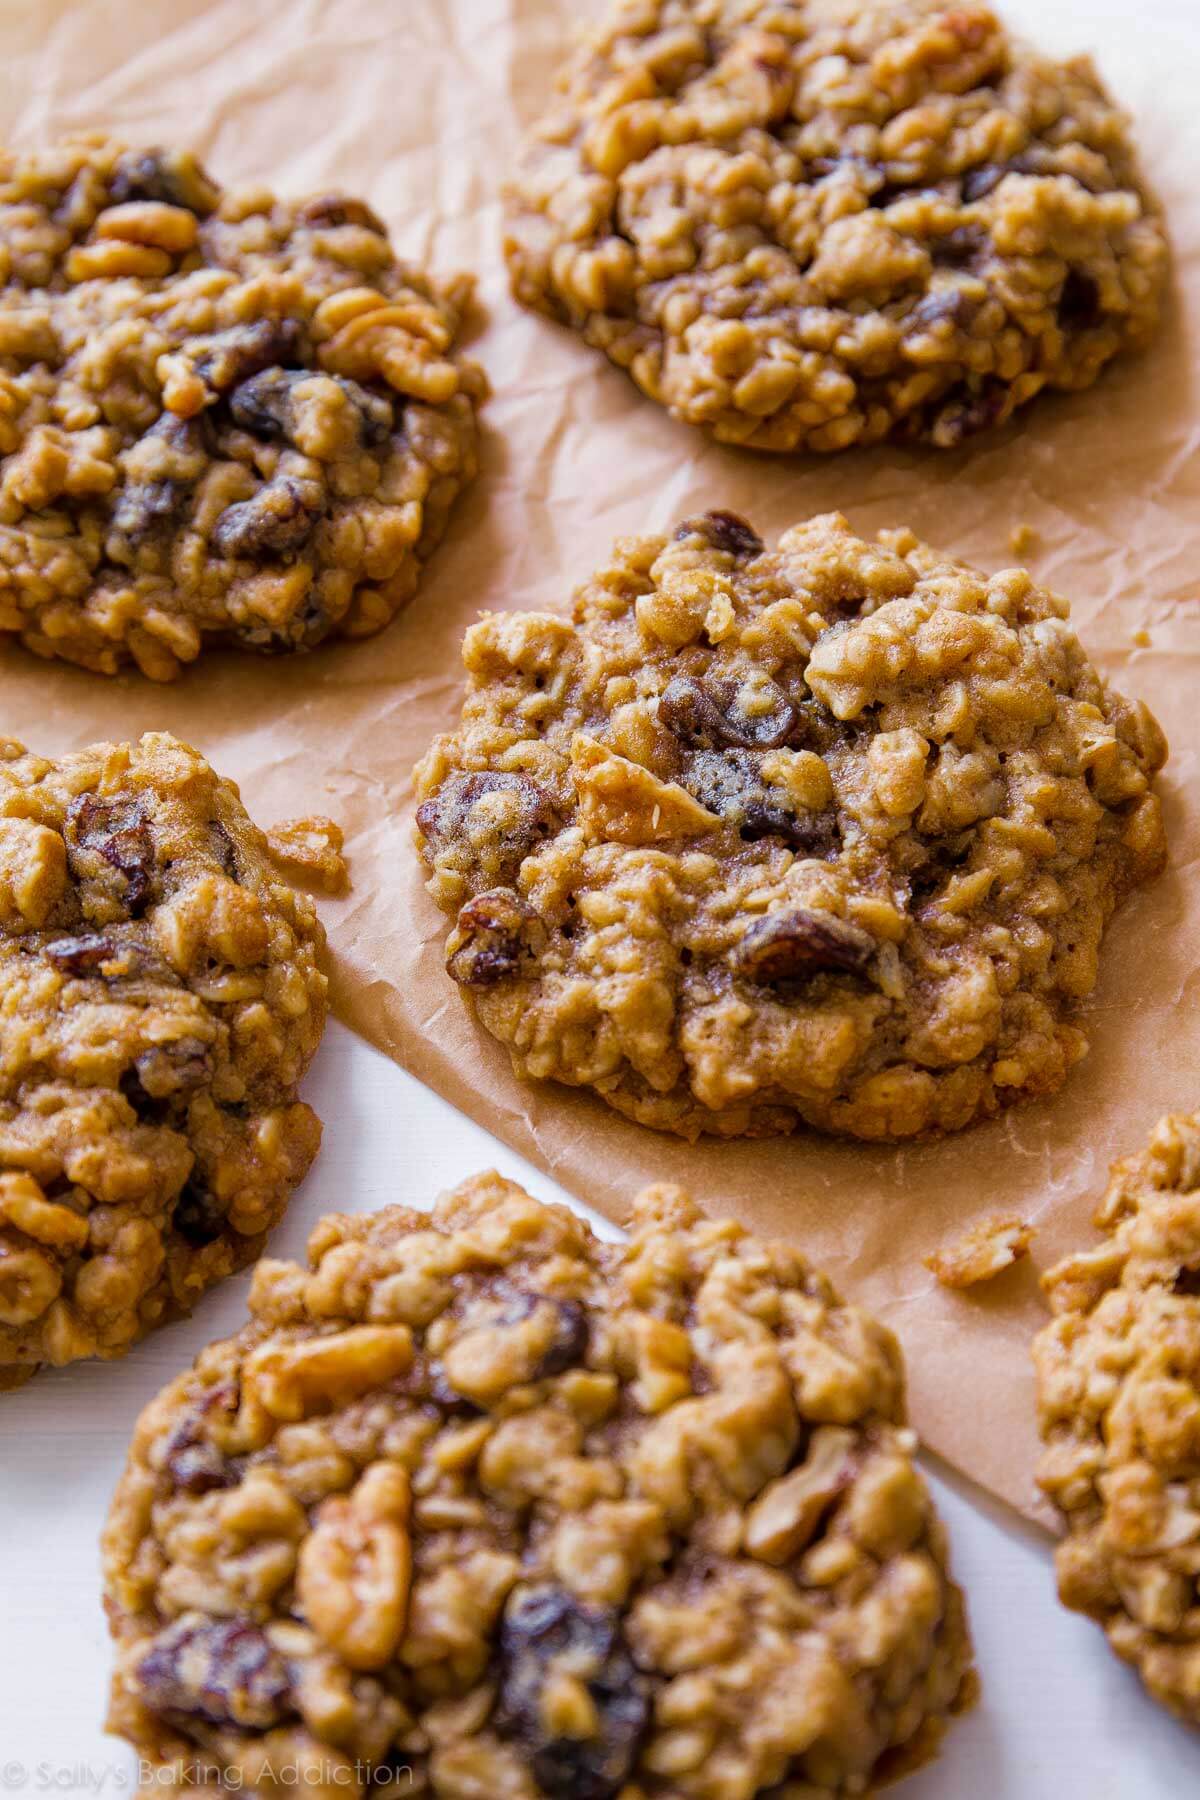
(159, 1001)
(827, 833)
(224, 418)
(1119, 1406)
(806, 224)
(477, 1505)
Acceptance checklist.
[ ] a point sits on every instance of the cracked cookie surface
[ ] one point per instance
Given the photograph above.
(160, 999)
(1119, 1408)
(821, 223)
(824, 833)
(479, 1505)
(224, 418)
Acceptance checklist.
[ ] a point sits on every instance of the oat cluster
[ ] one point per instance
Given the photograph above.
(224, 418)
(981, 1253)
(1119, 1404)
(478, 1506)
(807, 224)
(826, 833)
(160, 998)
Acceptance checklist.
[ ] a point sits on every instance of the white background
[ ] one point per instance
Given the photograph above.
(1060, 1718)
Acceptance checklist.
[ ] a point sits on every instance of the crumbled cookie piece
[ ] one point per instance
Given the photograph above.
(1118, 1373)
(477, 1497)
(160, 999)
(807, 224)
(313, 847)
(827, 833)
(224, 418)
(981, 1253)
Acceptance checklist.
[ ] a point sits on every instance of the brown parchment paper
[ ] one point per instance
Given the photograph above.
(419, 105)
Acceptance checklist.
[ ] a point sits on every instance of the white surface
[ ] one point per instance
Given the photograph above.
(1059, 1718)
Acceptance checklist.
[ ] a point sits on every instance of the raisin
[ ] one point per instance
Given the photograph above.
(542, 1624)
(449, 821)
(143, 505)
(265, 405)
(816, 729)
(332, 210)
(158, 1082)
(428, 1380)
(226, 851)
(794, 942)
(119, 832)
(965, 411)
(178, 452)
(729, 783)
(199, 1217)
(958, 249)
(493, 939)
(1079, 302)
(978, 183)
(376, 414)
(233, 356)
(887, 193)
(752, 713)
(815, 834)
(262, 405)
(173, 177)
(165, 1071)
(192, 1461)
(277, 520)
(198, 1467)
(945, 306)
(572, 1332)
(725, 531)
(224, 1671)
(82, 955)
(570, 1343)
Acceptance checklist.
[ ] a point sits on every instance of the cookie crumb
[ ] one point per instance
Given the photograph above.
(1022, 539)
(314, 847)
(1142, 639)
(984, 1252)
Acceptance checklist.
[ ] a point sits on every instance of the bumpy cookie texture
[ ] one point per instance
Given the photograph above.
(826, 833)
(224, 418)
(1119, 1407)
(478, 1506)
(159, 1001)
(806, 224)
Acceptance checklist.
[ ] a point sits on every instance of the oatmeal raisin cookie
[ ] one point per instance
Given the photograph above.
(1119, 1406)
(806, 224)
(159, 1001)
(824, 833)
(479, 1506)
(224, 418)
